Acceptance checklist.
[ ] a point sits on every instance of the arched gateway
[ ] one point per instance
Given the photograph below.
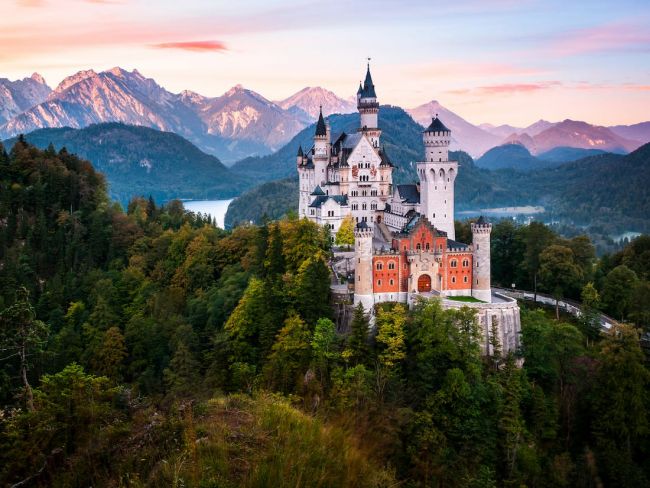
(424, 283)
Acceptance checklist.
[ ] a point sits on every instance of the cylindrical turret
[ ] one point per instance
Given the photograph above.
(481, 285)
(368, 109)
(363, 280)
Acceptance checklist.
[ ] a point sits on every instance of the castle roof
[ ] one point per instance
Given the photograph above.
(321, 199)
(321, 130)
(481, 220)
(409, 193)
(300, 153)
(419, 219)
(362, 225)
(368, 86)
(436, 126)
(318, 191)
(451, 244)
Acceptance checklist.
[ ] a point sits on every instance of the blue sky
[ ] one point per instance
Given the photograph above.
(499, 61)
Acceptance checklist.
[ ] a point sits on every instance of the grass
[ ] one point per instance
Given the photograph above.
(465, 299)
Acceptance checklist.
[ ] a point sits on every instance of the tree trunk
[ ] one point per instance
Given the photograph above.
(557, 308)
(23, 373)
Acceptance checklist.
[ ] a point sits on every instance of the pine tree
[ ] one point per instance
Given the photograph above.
(357, 350)
(182, 375)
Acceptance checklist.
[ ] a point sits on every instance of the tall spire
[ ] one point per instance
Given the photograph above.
(368, 86)
(321, 130)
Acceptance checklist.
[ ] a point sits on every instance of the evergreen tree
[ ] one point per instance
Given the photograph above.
(290, 355)
(559, 272)
(356, 350)
(183, 373)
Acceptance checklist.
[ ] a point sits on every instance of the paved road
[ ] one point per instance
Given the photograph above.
(569, 306)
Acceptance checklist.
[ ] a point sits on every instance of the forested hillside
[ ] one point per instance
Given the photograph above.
(142, 161)
(149, 348)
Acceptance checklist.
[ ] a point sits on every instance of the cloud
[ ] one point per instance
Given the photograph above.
(196, 46)
(507, 88)
(607, 37)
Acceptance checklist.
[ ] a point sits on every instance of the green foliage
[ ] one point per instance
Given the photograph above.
(143, 161)
(345, 234)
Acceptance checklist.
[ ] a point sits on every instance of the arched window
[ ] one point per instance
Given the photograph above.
(453, 263)
(380, 266)
(378, 282)
(465, 279)
(453, 279)
(391, 282)
(391, 265)
(418, 246)
(465, 263)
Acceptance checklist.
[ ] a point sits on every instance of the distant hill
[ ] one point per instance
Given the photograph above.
(568, 154)
(273, 199)
(509, 156)
(143, 161)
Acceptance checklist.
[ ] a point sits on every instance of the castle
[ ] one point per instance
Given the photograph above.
(405, 243)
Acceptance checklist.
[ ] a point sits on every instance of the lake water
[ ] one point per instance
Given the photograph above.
(216, 208)
(503, 211)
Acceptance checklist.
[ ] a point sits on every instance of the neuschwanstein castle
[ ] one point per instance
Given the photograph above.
(404, 237)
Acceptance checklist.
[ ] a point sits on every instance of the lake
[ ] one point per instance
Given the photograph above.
(216, 208)
(502, 211)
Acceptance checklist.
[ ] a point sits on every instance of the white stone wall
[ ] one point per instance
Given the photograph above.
(481, 283)
(437, 181)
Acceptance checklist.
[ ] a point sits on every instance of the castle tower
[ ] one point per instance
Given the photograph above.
(363, 290)
(368, 107)
(304, 183)
(437, 178)
(481, 286)
(321, 152)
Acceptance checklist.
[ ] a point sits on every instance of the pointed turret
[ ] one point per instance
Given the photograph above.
(360, 90)
(321, 130)
(300, 153)
(368, 86)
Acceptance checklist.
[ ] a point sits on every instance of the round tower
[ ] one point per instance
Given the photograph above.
(368, 107)
(437, 178)
(363, 279)
(481, 286)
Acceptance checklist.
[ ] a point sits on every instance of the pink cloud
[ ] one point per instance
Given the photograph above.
(197, 46)
(507, 88)
(608, 37)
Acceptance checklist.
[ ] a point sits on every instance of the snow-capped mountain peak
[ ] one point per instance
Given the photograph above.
(310, 99)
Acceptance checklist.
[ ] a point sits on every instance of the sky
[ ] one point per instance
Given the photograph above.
(490, 61)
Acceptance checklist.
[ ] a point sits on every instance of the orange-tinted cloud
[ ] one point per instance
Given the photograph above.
(197, 46)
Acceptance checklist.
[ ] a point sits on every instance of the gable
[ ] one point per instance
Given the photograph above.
(363, 152)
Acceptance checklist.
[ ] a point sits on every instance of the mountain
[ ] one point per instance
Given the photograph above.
(568, 154)
(571, 133)
(513, 156)
(507, 131)
(242, 114)
(143, 161)
(500, 130)
(20, 95)
(310, 99)
(607, 189)
(636, 132)
(465, 136)
(238, 124)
